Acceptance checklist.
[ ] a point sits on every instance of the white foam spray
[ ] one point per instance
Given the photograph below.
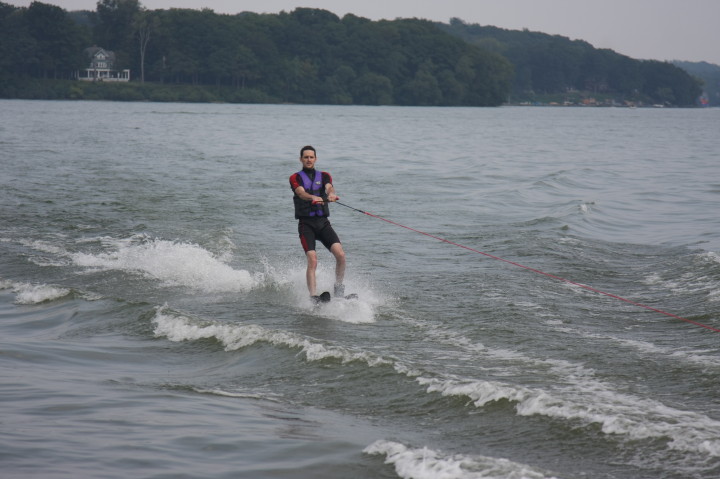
(26, 293)
(425, 463)
(174, 263)
(177, 327)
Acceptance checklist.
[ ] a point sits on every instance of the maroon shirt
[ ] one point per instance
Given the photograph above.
(296, 181)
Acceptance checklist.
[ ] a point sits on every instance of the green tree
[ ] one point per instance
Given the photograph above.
(17, 46)
(373, 89)
(144, 24)
(668, 84)
(58, 41)
(244, 66)
(336, 90)
(423, 89)
(114, 30)
(301, 81)
(305, 56)
(555, 64)
(453, 91)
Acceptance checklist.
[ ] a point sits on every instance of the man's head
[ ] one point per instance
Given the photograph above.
(308, 157)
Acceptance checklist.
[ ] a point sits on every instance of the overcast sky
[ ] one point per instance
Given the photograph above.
(642, 29)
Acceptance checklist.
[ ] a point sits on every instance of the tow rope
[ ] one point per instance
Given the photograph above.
(589, 288)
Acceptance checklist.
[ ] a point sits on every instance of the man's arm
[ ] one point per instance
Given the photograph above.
(299, 190)
(301, 193)
(304, 195)
(330, 190)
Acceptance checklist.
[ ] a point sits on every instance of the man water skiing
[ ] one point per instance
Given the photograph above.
(313, 191)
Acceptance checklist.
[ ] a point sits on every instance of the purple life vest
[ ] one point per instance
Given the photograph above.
(314, 187)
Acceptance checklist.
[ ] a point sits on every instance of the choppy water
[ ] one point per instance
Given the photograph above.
(154, 319)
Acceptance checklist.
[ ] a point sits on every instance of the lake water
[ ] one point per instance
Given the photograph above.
(154, 320)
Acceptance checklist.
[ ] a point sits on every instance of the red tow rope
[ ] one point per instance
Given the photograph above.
(537, 270)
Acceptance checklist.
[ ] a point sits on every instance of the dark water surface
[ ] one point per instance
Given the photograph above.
(155, 323)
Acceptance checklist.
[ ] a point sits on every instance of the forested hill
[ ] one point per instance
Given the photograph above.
(709, 74)
(305, 56)
(547, 64)
(311, 56)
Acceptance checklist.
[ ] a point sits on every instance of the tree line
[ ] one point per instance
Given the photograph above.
(709, 74)
(548, 64)
(313, 56)
(304, 56)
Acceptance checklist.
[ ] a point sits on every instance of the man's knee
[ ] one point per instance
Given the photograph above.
(338, 251)
(311, 259)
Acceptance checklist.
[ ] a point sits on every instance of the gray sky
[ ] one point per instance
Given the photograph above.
(642, 29)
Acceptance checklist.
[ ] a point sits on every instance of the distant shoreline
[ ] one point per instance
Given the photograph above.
(44, 89)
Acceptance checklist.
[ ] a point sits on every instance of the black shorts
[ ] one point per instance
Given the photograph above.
(311, 229)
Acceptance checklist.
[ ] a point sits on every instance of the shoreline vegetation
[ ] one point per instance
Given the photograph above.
(45, 89)
(312, 56)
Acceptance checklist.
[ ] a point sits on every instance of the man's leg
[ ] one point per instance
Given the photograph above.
(337, 250)
(307, 239)
(310, 273)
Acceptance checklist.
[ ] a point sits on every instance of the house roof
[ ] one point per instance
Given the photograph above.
(94, 51)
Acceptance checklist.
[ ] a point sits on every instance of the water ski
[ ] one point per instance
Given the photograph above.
(340, 292)
(322, 298)
(325, 297)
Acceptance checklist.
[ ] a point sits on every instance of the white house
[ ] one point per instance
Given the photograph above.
(102, 67)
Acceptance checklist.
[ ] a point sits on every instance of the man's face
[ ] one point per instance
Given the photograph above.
(308, 159)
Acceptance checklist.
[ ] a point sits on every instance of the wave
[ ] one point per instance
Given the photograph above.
(355, 311)
(178, 328)
(172, 262)
(700, 276)
(703, 359)
(236, 394)
(591, 403)
(189, 265)
(26, 293)
(584, 400)
(711, 256)
(425, 463)
(576, 394)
